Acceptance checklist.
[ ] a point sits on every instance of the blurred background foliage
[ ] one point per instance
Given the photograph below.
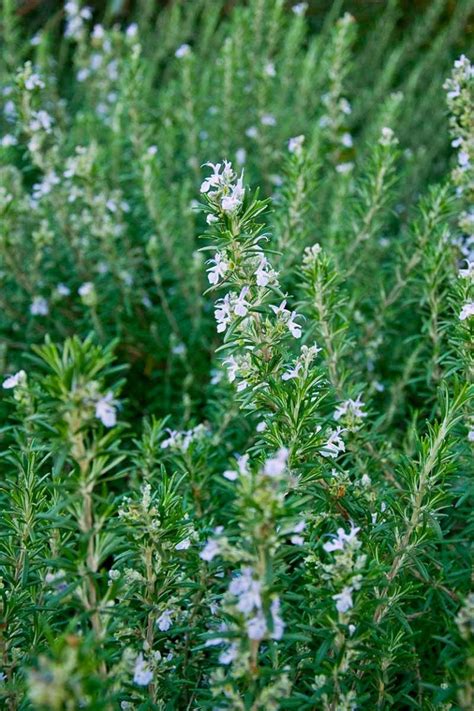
(366, 12)
(207, 108)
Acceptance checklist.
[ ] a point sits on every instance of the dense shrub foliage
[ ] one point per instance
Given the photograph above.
(236, 315)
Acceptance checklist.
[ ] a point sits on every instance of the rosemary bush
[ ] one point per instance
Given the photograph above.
(236, 315)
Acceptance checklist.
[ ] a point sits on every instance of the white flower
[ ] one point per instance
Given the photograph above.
(242, 463)
(257, 627)
(132, 30)
(351, 407)
(182, 440)
(182, 51)
(264, 273)
(111, 205)
(268, 120)
(293, 372)
(210, 550)
(231, 203)
(86, 288)
(467, 311)
(344, 168)
(218, 179)
(56, 580)
(105, 410)
(232, 368)
(75, 17)
(146, 301)
(288, 318)
(170, 441)
(164, 621)
(8, 140)
(303, 362)
(33, 82)
(242, 466)
(9, 109)
(270, 69)
(179, 349)
(334, 445)
(82, 75)
(211, 219)
(12, 381)
(464, 63)
(346, 140)
(262, 426)
(387, 137)
(299, 527)
(241, 305)
(293, 327)
(467, 273)
(297, 539)
(241, 156)
(275, 466)
(345, 106)
(45, 186)
(339, 541)
(278, 624)
(276, 179)
(463, 159)
(41, 121)
(222, 313)
(251, 132)
(214, 180)
(98, 32)
(280, 310)
(183, 545)
(142, 674)
(39, 306)
(241, 582)
(63, 290)
(248, 591)
(295, 145)
(344, 599)
(217, 272)
(300, 8)
(250, 598)
(455, 91)
(229, 654)
(227, 193)
(230, 474)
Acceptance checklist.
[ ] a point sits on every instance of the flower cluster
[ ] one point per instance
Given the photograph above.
(350, 412)
(76, 18)
(302, 364)
(225, 191)
(346, 568)
(181, 441)
(460, 96)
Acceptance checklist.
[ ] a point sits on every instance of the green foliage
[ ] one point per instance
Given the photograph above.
(275, 513)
